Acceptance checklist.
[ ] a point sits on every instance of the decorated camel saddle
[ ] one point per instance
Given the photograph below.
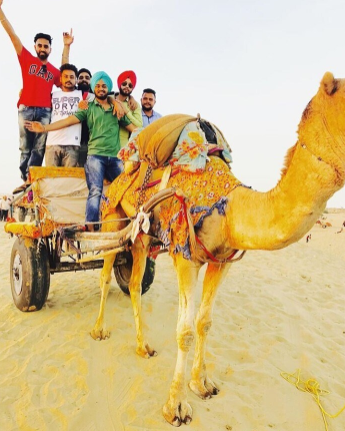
(174, 150)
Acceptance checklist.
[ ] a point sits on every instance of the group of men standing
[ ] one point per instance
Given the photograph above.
(82, 123)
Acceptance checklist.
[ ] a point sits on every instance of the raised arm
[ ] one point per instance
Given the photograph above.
(36, 127)
(68, 39)
(9, 30)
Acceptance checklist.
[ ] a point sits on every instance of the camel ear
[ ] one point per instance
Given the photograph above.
(329, 84)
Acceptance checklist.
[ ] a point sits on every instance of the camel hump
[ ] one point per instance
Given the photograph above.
(157, 141)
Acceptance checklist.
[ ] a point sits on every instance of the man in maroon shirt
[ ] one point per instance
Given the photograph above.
(34, 103)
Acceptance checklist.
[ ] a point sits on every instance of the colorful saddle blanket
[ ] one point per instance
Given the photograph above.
(206, 190)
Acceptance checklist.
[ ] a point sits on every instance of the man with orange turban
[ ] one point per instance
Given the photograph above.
(126, 83)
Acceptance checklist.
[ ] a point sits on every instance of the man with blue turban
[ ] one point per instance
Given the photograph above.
(104, 141)
(101, 76)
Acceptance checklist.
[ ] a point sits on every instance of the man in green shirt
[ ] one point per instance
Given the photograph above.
(104, 141)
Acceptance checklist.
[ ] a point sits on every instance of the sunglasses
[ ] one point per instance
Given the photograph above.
(42, 46)
(127, 84)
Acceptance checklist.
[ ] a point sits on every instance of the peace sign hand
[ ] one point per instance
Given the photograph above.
(67, 37)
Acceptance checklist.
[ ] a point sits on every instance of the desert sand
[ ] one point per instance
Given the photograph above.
(276, 312)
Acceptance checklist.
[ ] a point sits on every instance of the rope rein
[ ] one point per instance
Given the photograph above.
(312, 386)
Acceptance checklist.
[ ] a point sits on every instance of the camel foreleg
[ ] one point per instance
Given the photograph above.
(200, 383)
(177, 410)
(139, 253)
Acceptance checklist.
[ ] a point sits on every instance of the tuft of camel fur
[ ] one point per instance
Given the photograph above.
(314, 170)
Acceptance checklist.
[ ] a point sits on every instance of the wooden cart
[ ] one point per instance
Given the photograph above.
(55, 241)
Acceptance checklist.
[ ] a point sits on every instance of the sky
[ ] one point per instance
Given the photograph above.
(248, 66)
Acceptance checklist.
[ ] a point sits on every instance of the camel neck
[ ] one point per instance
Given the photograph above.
(281, 216)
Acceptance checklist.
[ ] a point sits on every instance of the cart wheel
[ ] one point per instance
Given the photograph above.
(21, 213)
(30, 275)
(123, 273)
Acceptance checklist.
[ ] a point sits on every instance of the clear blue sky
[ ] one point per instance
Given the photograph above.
(248, 66)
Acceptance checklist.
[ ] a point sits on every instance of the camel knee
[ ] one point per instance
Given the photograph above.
(134, 287)
(107, 270)
(185, 339)
(203, 326)
(105, 281)
(106, 274)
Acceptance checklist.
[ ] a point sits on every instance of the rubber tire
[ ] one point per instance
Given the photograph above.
(21, 214)
(29, 274)
(123, 274)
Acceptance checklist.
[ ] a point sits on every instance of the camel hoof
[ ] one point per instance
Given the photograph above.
(211, 387)
(146, 352)
(175, 416)
(187, 420)
(176, 422)
(204, 388)
(206, 396)
(100, 334)
(150, 351)
(215, 391)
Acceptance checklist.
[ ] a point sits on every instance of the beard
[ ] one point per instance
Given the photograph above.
(125, 94)
(147, 108)
(84, 86)
(68, 86)
(42, 55)
(102, 97)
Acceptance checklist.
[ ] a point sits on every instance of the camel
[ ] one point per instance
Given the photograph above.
(323, 225)
(314, 170)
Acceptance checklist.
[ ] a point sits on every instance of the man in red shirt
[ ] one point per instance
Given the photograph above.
(34, 103)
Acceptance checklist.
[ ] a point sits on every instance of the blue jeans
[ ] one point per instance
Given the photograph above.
(98, 168)
(32, 145)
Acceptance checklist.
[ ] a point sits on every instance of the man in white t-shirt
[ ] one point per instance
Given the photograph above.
(5, 205)
(62, 146)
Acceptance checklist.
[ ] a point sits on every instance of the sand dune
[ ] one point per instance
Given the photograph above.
(276, 311)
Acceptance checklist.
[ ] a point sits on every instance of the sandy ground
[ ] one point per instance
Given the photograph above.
(276, 311)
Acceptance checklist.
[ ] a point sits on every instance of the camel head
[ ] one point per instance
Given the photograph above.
(314, 170)
(323, 124)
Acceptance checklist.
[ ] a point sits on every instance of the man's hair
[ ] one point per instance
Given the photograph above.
(67, 66)
(83, 69)
(43, 36)
(149, 90)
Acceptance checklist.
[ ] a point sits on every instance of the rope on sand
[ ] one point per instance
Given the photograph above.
(313, 387)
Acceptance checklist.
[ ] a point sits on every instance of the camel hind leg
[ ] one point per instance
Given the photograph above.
(139, 252)
(99, 331)
(200, 383)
